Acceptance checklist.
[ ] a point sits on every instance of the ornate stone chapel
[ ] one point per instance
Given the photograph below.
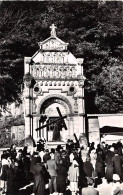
(53, 79)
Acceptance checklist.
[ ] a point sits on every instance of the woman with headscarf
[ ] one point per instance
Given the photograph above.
(100, 165)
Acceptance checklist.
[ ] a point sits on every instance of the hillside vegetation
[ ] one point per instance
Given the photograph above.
(93, 31)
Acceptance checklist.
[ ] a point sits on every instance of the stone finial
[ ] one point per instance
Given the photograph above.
(53, 30)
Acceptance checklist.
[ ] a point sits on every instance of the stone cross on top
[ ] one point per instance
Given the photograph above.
(53, 30)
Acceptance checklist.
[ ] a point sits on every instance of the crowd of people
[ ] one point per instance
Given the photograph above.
(71, 170)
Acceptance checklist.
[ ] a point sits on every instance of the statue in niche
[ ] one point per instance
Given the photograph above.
(56, 132)
(83, 141)
(34, 72)
(73, 72)
(75, 106)
(45, 72)
(34, 106)
(56, 73)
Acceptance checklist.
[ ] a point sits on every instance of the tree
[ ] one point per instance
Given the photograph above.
(109, 84)
(93, 29)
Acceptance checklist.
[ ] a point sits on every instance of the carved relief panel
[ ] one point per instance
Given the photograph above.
(54, 71)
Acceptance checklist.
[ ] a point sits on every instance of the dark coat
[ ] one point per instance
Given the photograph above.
(46, 157)
(109, 156)
(109, 172)
(18, 178)
(10, 182)
(117, 164)
(100, 166)
(39, 183)
(109, 166)
(88, 168)
(82, 176)
(4, 173)
(61, 178)
(33, 163)
(26, 164)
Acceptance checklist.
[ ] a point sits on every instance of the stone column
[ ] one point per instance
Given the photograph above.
(35, 126)
(45, 132)
(71, 130)
(81, 110)
(27, 116)
(28, 98)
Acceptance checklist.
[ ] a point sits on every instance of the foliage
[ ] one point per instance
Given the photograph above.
(10, 121)
(6, 123)
(93, 31)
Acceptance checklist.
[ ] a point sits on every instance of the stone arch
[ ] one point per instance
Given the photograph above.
(64, 99)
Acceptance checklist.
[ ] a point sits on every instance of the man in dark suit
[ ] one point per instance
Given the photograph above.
(52, 167)
(90, 189)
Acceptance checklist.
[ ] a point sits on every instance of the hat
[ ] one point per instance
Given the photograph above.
(116, 177)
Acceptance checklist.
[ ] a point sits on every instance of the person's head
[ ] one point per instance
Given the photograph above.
(13, 147)
(41, 149)
(90, 181)
(47, 151)
(116, 152)
(64, 154)
(20, 151)
(103, 135)
(71, 157)
(116, 178)
(53, 150)
(28, 155)
(61, 162)
(4, 151)
(93, 151)
(75, 163)
(5, 156)
(59, 148)
(88, 158)
(38, 160)
(99, 175)
(52, 155)
(16, 163)
(103, 143)
(19, 155)
(111, 149)
(35, 154)
(9, 161)
(104, 180)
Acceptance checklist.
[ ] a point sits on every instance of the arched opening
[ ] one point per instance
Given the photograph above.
(50, 117)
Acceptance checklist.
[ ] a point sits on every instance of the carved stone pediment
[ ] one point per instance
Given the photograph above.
(53, 44)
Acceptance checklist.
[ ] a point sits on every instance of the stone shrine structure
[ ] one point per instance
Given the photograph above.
(53, 78)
